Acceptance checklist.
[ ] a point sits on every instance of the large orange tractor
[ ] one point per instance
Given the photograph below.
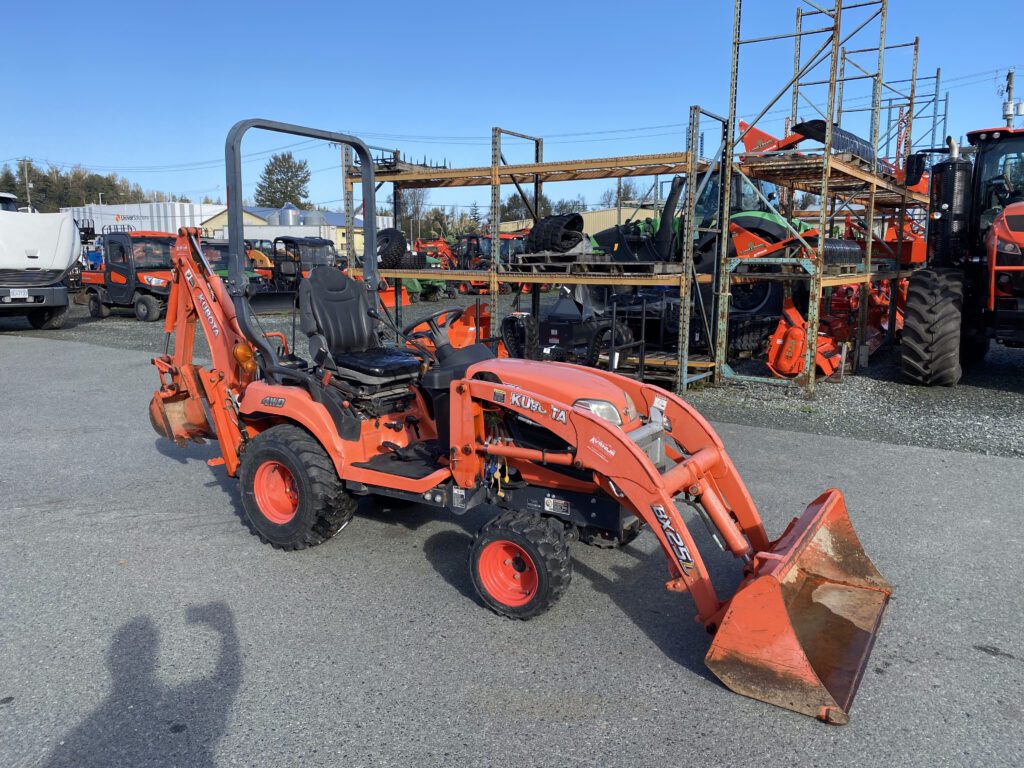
(557, 448)
(971, 292)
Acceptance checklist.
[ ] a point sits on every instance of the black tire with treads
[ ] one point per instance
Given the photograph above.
(601, 341)
(147, 308)
(544, 540)
(521, 335)
(410, 260)
(324, 507)
(49, 319)
(391, 246)
(97, 308)
(932, 327)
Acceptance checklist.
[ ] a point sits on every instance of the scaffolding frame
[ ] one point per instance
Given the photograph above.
(500, 172)
(839, 181)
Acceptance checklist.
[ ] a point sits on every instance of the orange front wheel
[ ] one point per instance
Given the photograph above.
(508, 573)
(520, 564)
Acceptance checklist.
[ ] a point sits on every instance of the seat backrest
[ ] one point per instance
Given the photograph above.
(288, 268)
(335, 307)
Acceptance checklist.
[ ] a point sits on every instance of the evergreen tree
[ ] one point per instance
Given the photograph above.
(284, 180)
(8, 181)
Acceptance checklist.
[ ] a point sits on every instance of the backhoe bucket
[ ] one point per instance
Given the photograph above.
(178, 417)
(272, 302)
(799, 630)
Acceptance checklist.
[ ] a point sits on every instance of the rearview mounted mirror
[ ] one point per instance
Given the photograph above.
(915, 169)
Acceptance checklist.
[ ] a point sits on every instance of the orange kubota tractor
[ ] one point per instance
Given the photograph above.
(557, 447)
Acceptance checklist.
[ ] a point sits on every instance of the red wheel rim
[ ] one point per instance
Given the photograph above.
(507, 573)
(275, 491)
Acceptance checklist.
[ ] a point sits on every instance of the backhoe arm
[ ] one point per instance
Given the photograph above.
(194, 402)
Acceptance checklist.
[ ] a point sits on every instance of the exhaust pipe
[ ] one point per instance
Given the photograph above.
(663, 239)
(954, 149)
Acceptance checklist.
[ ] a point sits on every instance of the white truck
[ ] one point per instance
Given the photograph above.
(36, 252)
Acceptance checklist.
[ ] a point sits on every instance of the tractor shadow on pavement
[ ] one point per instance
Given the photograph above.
(638, 589)
(448, 553)
(143, 721)
(194, 453)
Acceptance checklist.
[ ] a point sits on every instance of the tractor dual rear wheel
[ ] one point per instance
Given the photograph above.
(520, 564)
(292, 495)
(932, 321)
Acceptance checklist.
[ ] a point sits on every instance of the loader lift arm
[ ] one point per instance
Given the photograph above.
(798, 631)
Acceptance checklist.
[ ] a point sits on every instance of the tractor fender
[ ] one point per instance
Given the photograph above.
(291, 404)
(766, 225)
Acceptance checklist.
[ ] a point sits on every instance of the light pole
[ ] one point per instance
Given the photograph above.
(28, 185)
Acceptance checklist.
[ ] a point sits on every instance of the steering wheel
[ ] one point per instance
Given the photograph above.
(438, 324)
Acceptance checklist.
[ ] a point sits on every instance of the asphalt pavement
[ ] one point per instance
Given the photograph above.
(142, 624)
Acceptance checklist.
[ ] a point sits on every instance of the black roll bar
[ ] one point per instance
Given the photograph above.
(237, 281)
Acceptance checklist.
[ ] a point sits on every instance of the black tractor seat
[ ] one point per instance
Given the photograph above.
(334, 313)
(380, 362)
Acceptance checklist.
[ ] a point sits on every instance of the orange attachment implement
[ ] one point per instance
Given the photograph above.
(788, 345)
(799, 630)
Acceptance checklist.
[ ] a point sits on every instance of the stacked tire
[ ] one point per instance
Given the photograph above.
(559, 234)
(391, 247)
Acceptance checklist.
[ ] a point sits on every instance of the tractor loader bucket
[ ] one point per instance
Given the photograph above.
(799, 630)
(272, 302)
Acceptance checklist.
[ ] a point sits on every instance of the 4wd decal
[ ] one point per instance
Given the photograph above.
(273, 402)
(601, 448)
(499, 395)
(675, 541)
(527, 403)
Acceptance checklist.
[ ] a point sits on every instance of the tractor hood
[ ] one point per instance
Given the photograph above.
(1009, 225)
(559, 381)
(47, 243)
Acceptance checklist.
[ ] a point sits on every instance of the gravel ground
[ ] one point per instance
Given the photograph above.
(985, 414)
(141, 624)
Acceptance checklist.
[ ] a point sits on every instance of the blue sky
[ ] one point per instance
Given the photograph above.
(149, 89)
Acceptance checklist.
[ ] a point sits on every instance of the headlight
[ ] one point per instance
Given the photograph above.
(154, 281)
(1004, 246)
(602, 409)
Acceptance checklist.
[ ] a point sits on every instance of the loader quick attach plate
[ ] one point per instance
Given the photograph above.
(799, 630)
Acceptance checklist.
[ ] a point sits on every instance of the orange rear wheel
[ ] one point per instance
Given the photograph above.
(292, 495)
(276, 494)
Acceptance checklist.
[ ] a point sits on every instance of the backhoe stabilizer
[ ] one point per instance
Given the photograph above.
(799, 630)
